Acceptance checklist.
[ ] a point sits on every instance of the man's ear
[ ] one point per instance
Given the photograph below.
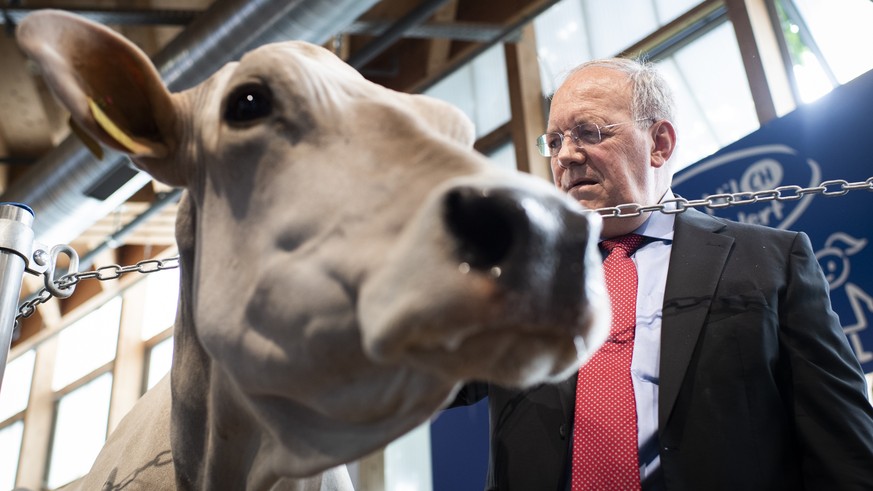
(111, 88)
(664, 142)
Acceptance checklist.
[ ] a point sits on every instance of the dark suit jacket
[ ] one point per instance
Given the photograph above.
(759, 389)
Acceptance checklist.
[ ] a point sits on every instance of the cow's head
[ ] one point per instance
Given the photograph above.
(354, 259)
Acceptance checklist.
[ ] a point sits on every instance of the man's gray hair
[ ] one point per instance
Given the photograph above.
(652, 96)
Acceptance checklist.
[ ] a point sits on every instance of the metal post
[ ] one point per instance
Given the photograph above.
(16, 244)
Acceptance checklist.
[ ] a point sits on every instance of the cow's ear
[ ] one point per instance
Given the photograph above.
(110, 87)
(447, 119)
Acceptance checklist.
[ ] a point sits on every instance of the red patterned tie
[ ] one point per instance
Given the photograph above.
(605, 427)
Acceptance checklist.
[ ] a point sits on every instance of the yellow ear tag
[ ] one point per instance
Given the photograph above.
(117, 133)
(90, 143)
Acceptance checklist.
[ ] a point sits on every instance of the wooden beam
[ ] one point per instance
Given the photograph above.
(762, 58)
(339, 45)
(127, 372)
(38, 419)
(439, 51)
(526, 103)
(371, 471)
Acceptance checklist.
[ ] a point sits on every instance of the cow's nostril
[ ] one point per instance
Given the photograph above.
(484, 225)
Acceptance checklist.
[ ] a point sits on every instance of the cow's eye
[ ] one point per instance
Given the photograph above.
(248, 103)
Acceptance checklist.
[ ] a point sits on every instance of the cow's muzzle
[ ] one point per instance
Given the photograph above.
(523, 240)
(494, 281)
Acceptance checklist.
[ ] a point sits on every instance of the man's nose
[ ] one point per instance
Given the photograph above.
(569, 153)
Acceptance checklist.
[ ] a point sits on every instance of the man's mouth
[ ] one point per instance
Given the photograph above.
(581, 184)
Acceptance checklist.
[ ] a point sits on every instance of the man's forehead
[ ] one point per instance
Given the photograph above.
(597, 81)
(592, 92)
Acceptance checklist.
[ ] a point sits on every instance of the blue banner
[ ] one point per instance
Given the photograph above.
(831, 139)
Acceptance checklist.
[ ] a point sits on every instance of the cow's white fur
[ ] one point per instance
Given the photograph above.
(323, 312)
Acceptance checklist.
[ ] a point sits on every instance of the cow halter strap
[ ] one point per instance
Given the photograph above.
(605, 454)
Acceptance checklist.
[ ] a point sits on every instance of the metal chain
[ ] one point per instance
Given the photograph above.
(836, 187)
(105, 273)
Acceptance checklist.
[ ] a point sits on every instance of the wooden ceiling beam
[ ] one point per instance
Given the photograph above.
(439, 49)
(526, 103)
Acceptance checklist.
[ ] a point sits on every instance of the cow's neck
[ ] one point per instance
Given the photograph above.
(190, 370)
(235, 453)
(215, 443)
(211, 439)
(214, 440)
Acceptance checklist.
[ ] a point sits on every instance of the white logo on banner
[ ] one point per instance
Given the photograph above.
(764, 174)
(834, 260)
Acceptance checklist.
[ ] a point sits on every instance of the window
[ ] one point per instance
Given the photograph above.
(10, 449)
(16, 385)
(87, 344)
(504, 156)
(573, 31)
(828, 42)
(480, 89)
(408, 461)
(562, 42)
(82, 414)
(161, 300)
(162, 297)
(610, 30)
(713, 101)
(160, 358)
(80, 430)
(14, 394)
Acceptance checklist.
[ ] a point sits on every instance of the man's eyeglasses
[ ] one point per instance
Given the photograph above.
(550, 144)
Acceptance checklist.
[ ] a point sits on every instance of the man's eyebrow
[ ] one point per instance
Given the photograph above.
(575, 123)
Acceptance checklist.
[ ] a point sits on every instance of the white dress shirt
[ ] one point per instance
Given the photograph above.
(651, 260)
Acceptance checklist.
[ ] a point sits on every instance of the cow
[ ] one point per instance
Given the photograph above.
(347, 261)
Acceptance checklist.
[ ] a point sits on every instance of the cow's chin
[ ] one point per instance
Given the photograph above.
(503, 338)
(480, 332)
(514, 358)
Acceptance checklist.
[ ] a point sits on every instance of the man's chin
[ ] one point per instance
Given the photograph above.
(586, 198)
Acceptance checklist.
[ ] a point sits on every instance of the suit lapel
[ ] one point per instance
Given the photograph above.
(566, 392)
(697, 258)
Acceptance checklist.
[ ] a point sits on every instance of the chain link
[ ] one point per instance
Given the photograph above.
(104, 273)
(836, 187)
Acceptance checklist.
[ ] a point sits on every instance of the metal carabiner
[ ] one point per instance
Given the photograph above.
(52, 265)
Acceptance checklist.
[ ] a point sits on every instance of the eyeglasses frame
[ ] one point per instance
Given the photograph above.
(546, 151)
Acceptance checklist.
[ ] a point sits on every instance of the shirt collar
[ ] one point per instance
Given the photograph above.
(659, 226)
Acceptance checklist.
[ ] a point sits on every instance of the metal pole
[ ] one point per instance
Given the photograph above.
(16, 244)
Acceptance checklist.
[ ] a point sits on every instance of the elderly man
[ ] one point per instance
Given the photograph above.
(725, 369)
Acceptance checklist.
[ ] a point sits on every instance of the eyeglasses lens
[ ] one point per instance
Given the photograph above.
(586, 133)
(550, 144)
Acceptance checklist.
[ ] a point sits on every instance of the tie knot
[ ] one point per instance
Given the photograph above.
(627, 243)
